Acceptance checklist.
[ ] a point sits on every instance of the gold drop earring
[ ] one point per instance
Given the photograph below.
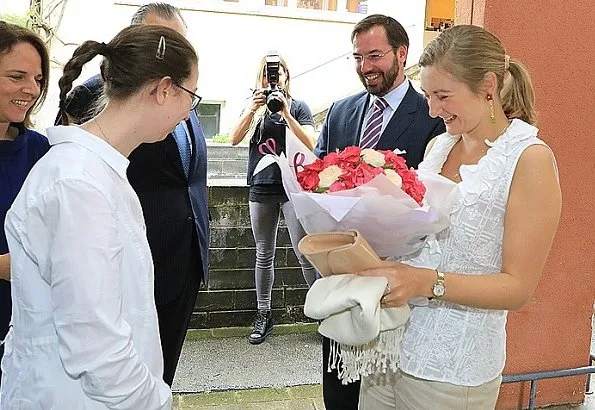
(491, 104)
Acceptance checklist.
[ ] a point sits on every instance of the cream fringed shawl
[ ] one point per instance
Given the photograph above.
(365, 339)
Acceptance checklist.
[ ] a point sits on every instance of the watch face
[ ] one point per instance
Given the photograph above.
(438, 290)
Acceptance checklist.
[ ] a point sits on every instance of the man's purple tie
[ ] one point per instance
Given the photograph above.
(372, 133)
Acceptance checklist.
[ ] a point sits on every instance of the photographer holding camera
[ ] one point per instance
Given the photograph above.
(269, 111)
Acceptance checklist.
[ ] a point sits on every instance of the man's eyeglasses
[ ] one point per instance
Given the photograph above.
(372, 57)
(195, 97)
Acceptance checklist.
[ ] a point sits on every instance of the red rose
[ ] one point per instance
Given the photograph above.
(332, 158)
(364, 173)
(348, 182)
(355, 172)
(396, 161)
(308, 179)
(418, 190)
(351, 155)
(413, 186)
(337, 186)
(317, 166)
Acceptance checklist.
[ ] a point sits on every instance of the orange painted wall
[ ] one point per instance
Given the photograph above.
(555, 40)
(440, 9)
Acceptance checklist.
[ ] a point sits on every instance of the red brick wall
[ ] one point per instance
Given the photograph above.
(555, 40)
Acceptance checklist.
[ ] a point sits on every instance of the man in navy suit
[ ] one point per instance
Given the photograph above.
(380, 46)
(169, 178)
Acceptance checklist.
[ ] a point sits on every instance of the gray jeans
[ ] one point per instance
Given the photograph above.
(264, 218)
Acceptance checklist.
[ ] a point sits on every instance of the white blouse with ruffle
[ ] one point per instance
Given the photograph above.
(448, 342)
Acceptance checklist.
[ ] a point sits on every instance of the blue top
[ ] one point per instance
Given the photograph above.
(17, 157)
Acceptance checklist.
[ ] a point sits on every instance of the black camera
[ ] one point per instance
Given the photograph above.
(273, 92)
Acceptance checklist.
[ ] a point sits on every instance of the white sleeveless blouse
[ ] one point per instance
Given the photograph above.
(448, 342)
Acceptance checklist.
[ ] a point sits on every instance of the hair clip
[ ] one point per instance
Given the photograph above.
(161, 49)
(506, 62)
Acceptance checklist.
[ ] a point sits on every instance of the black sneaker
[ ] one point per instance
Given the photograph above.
(263, 325)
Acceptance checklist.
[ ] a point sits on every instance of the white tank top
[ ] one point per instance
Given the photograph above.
(448, 342)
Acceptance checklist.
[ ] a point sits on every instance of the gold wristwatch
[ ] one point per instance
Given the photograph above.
(439, 289)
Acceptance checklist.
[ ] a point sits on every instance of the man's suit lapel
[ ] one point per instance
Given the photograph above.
(198, 142)
(401, 119)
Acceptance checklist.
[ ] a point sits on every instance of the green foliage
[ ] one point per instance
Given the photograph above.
(221, 138)
(14, 19)
(413, 72)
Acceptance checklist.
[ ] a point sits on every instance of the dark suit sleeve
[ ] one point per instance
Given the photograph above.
(321, 148)
(440, 128)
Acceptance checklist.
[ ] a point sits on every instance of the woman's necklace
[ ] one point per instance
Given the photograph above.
(101, 130)
(475, 159)
(472, 161)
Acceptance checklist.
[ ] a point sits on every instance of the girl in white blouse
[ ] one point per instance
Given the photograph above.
(84, 327)
(490, 258)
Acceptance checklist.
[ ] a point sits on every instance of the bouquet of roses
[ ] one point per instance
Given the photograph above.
(395, 208)
(354, 167)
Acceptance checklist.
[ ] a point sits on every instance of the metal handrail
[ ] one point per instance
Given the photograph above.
(322, 64)
(550, 374)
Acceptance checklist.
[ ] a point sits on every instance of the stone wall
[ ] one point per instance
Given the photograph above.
(230, 297)
(227, 162)
(553, 330)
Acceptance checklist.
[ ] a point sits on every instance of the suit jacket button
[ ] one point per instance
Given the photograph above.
(190, 218)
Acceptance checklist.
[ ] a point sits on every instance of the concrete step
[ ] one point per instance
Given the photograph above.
(220, 370)
(227, 151)
(222, 359)
(226, 161)
(243, 279)
(230, 299)
(212, 319)
(226, 167)
(240, 235)
(245, 258)
(307, 397)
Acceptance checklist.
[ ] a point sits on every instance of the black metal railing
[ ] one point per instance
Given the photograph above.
(551, 374)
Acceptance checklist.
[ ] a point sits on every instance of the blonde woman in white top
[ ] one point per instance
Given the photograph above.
(84, 327)
(490, 259)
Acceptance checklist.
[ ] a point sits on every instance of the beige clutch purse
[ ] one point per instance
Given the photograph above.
(334, 253)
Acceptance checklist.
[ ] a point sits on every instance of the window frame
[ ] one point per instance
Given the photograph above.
(225, 7)
(220, 105)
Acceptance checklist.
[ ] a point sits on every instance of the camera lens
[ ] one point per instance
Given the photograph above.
(274, 102)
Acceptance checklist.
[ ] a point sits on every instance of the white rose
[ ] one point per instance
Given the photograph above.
(394, 177)
(329, 175)
(372, 157)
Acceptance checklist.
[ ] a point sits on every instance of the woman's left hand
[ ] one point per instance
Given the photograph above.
(285, 110)
(404, 282)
